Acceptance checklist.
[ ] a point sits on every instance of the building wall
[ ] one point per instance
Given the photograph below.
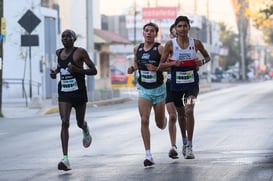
(73, 16)
(16, 59)
(116, 24)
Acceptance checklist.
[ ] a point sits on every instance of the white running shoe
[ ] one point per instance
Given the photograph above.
(64, 165)
(189, 154)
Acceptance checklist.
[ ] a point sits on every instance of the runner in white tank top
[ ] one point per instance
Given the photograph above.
(185, 85)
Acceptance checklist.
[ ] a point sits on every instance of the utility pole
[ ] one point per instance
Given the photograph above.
(195, 7)
(178, 6)
(242, 34)
(90, 41)
(208, 28)
(135, 14)
(210, 64)
(242, 48)
(1, 56)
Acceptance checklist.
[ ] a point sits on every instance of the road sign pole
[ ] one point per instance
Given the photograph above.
(30, 74)
(2, 28)
(29, 21)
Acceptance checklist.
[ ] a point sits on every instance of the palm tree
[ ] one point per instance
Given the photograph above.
(240, 7)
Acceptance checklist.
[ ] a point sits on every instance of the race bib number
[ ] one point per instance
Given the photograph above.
(148, 76)
(69, 85)
(184, 77)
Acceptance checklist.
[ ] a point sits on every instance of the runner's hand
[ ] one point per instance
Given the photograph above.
(53, 74)
(130, 70)
(198, 62)
(73, 69)
(178, 63)
(151, 67)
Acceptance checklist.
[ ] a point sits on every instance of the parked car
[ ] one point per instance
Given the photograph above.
(215, 78)
(117, 76)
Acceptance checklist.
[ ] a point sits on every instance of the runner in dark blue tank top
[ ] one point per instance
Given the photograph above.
(147, 79)
(72, 90)
(151, 89)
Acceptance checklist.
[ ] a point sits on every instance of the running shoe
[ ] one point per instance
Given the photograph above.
(87, 139)
(189, 154)
(184, 150)
(148, 162)
(64, 165)
(173, 153)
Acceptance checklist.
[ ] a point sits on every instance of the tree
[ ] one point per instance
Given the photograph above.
(261, 13)
(268, 11)
(229, 40)
(240, 8)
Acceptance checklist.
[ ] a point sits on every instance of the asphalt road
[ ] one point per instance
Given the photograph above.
(233, 140)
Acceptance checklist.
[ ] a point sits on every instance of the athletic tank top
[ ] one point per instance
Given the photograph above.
(149, 79)
(69, 82)
(184, 77)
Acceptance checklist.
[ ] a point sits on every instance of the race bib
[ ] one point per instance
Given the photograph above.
(184, 77)
(148, 76)
(69, 85)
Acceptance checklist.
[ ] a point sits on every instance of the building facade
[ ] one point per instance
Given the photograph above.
(26, 68)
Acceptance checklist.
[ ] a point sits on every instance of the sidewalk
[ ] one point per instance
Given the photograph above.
(16, 109)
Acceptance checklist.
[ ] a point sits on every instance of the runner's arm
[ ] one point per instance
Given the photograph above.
(200, 47)
(133, 68)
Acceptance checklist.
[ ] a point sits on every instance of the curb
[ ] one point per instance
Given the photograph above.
(55, 109)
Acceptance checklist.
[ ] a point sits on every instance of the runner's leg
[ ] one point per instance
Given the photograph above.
(80, 116)
(159, 111)
(189, 111)
(65, 110)
(172, 122)
(182, 121)
(145, 107)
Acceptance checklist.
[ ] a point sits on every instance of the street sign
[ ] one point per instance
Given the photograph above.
(29, 21)
(29, 40)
